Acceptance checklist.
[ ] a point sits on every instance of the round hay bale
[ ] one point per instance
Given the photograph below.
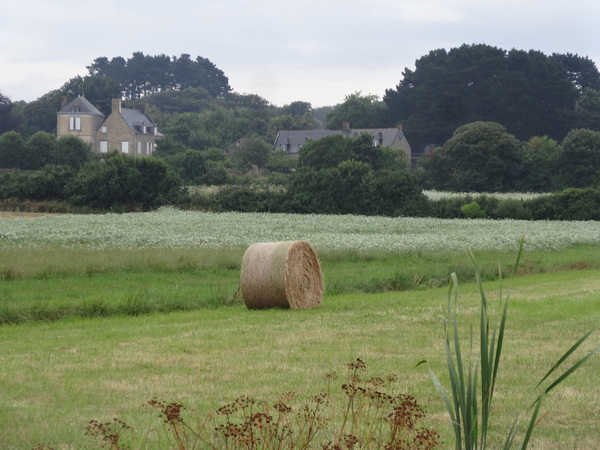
(281, 275)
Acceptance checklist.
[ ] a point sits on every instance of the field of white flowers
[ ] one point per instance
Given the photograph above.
(171, 228)
(439, 195)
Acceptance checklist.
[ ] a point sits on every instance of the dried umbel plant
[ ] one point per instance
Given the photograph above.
(370, 417)
(109, 433)
(373, 417)
(184, 435)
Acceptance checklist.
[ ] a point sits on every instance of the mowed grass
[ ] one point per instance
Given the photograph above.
(97, 321)
(46, 284)
(57, 376)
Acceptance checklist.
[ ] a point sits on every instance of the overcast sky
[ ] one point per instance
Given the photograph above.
(317, 51)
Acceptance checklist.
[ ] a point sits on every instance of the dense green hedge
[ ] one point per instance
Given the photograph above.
(345, 190)
(570, 204)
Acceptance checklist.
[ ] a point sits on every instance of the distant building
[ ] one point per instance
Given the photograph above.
(292, 140)
(232, 149)
(127, 130)
(79, 118)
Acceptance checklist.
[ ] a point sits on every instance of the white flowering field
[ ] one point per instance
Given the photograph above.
(440, 195)
(173, 228)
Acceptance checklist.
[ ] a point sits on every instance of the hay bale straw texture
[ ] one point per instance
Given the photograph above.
(281, 275)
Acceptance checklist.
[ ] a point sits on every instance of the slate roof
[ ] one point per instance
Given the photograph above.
(135, 119)
(294, 139)
(80, 105)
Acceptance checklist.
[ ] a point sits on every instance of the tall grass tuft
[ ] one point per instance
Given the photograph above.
(473, 379)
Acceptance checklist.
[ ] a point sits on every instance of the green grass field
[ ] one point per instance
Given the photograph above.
(97, 332)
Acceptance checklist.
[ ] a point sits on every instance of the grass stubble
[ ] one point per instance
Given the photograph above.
(381, 307)
(55, 377)
(41, 284)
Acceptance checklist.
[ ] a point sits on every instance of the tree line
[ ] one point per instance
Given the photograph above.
(499, 121)
(528, 92)
(133, 78)
(484, 157)
(142, 75)
(356, 178)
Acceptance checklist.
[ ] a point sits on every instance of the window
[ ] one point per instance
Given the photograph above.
(75, 123)
(139, 148)
(149, 148)
(103, 146)
(125, 147)
(103, 129)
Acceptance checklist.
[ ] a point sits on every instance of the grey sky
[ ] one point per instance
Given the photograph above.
(285, 50)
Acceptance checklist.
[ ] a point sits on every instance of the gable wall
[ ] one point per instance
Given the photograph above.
(117, 132)
(89, 125)
(401, 143)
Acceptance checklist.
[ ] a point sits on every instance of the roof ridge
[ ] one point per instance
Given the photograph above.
(81, 100)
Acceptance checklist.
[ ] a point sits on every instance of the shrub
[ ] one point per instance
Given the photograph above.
(511, 209)
(446, 208)
(247, 199)
(472, 211)
(124, 182)
(72, 151)
(570, 204)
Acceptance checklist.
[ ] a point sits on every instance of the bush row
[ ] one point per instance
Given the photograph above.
(570, 204)
(332, 191)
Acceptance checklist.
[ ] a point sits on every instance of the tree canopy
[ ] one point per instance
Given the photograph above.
(7, 121)
(529, 93)
(579, 160)
(141, 75)
(479, 157)
(349, 175)
(119, 180)
(361, 111)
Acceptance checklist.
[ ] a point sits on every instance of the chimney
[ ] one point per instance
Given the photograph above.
(116, 105)
(345, 127)
(141, 108)
(63, 101)
(400, 129)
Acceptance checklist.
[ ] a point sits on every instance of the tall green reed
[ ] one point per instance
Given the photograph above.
(469, 404)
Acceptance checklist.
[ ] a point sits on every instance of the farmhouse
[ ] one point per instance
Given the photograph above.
(292, 140)
(126, 130)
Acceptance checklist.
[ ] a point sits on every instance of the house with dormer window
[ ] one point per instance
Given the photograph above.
(126, 130)
(292, 140)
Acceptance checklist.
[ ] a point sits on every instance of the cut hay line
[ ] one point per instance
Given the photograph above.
(281, 275)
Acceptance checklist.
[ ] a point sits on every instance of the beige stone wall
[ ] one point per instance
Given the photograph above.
(141, 146)
(117, 131)
(400, 142)
(89, 125)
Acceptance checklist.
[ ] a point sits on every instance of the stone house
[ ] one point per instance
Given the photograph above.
(127, 130)
(79, 118)
(292, 140)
